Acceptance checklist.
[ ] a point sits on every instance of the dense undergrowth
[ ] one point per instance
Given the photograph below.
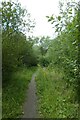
(55, 98)
(58, 85)
(0, 103)
(14, 93)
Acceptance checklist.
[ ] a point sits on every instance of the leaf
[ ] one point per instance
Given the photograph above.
(57, 24)
(53, 22)
(49, 20)
(70, 12)
(52, 18)
(47, 16)
(59, 18)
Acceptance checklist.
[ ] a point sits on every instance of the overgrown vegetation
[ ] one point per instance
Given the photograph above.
(66, 45)
(14, 93)
(18, 57)
(58, 77)
(55, 98)
(17, 50)
(63, 59)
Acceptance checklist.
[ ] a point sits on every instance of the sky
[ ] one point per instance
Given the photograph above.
(39, 9)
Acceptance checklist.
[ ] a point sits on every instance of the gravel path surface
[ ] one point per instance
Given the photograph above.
(30, 106)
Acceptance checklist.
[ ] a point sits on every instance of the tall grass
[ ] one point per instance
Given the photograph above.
(0, 103)
(14, 93)
(55, 100)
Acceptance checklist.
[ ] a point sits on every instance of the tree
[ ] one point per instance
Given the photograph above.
(68, 13)
(78, 57)
(15, 46)
(67, 25)
(13, 18)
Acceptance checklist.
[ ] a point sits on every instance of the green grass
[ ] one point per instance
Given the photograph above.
(14, 93)
(55, 99)
(0, 103)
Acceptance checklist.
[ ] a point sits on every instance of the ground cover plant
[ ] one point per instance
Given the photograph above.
(55, 98)
(57, 61)
(15, 92)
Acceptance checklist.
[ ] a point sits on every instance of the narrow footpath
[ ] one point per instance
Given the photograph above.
(30, 106)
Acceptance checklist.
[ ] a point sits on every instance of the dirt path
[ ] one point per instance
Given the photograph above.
(30, 110)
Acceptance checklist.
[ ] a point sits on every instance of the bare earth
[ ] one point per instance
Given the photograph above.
(30, 106)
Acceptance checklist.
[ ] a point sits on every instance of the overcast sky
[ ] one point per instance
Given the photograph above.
(39, 9)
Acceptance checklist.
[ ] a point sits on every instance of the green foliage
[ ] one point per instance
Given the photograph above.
(17, 50)
(56, 89)
(43, 61)
(55, 100)
(14, 93)
(63, 54)
(41, 47)
(12, 17)
(68, 10)
(78, 56)
(64, 51)
(0, 102)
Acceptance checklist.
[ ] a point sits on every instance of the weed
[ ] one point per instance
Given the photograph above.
(55, 100)
(14, 93)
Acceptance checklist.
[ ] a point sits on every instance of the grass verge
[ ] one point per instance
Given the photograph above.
(0, 103)
(55, 99)
(14, 93)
